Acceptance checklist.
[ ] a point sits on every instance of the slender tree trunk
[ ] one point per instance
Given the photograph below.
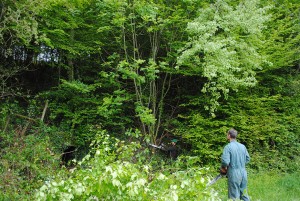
(152, 93)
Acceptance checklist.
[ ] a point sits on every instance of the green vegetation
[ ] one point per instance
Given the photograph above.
(107, 174)
(267, 186)
(86, 85)
(279, 186)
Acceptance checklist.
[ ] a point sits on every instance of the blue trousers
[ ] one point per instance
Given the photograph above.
(237, 185)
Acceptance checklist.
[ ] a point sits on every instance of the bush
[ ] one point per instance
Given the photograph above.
(27, 158)
(108, 174)
(24, 165)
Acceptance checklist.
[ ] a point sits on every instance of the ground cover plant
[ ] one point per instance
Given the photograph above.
(267, 185)
(110, 174)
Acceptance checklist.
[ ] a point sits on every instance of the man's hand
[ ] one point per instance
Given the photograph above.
(223, 170)
(163, 147)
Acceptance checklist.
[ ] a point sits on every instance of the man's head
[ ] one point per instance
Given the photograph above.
(232, 134)
(174, 141)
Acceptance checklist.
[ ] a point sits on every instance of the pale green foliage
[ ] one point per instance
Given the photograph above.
(17, 21)
(136, 133)
(108, 175)
(77, 86)
(148, 11)
(145, 114)
(223, 47)
(130, 71)
(151, 70)
(112, 104)
(133, 70)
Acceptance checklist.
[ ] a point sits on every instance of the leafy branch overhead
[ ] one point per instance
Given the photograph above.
(223, 47)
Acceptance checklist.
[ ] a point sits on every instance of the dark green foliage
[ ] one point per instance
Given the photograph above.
(282, 35)
(79, 110)
(268, 125)
(28, 157)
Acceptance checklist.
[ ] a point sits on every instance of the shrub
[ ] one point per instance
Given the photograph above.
(108, 174)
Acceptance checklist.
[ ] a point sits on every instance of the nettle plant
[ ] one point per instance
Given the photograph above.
(107, 173)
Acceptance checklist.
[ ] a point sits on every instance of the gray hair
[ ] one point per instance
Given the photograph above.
(233, 133)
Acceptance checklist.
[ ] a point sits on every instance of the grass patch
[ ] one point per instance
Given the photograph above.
(274, 186)
(267, 186)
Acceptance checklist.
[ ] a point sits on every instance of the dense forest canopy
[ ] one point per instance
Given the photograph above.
(73, 72)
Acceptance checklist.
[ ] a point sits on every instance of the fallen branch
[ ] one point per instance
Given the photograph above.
(25, 117)
(6, 124)
(44, 111)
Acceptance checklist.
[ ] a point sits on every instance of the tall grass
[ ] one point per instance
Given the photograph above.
(268, 186)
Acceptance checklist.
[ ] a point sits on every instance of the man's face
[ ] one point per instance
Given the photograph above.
(228, 136)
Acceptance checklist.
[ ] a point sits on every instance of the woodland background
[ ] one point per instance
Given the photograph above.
(98, 80)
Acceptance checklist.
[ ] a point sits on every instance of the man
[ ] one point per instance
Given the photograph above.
(172, 150)
(234, 158)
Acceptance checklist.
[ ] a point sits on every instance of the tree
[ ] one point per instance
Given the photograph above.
(69, 29)
(151, 33)
(223, 48)
(18, 28)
